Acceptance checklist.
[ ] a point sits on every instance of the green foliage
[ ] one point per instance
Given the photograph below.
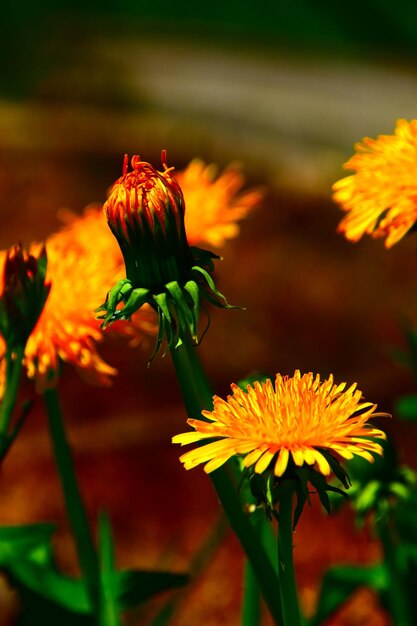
(379, 488)
(339, 583)
(406, 408)
(49, 598)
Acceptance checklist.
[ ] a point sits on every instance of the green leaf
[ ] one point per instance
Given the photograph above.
(46, 582)
(339, 583)
(50, 598)
(16, 542)
(37, 610)
(135, 587)
(109, 600)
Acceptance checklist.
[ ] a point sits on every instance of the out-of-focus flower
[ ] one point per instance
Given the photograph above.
(381, 197)
(81, 265)
(214, 202)
(23, 293)
(299, 421)
(145, 211)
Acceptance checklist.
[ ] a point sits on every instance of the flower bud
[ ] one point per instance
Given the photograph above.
(145, 211)
(24, 294)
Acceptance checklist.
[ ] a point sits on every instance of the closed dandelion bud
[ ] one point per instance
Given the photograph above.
(24, 294)
(145, 212)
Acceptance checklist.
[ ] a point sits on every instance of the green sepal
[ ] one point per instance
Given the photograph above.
(337, 469)
(302, 494)
(115, 295)
(160, 336)
(133, 300)
(181, 306)
(219, 299)
(204, 258)
(177, 302)
(266, 487)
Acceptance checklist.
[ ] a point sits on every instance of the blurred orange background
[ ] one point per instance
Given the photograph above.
(313, 301)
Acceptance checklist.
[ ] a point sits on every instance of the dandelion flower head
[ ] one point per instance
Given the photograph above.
(381, 196)
(297, 418)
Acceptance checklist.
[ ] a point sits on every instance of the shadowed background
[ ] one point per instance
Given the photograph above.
(286, 91)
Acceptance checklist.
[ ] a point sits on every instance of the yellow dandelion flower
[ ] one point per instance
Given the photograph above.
(381, 197)
(294, 420)
(214, 203)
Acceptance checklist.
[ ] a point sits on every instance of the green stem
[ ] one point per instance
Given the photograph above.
(396, 591)
(289, 599)
(86, 552)
(13, 371)
(251, 610)
(197, 396)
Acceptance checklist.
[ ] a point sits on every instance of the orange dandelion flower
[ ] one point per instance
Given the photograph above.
(81, 266)
(214, 203)
(381, 197)
(295, 419)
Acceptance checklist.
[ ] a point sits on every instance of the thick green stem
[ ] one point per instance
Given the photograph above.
(197, 396)
(13, 371)
(86, 552)
(289, 599)
(396, 592)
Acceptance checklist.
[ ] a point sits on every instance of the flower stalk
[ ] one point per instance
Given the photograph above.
(197, 396)
(24, 292)
(13, 372)
(77, 515)
(288, 590)
(251, 610)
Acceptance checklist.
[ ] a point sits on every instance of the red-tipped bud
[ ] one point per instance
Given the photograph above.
(145, 211)
(24, 294)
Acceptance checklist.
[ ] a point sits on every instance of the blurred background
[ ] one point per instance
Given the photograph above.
(285, 89)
